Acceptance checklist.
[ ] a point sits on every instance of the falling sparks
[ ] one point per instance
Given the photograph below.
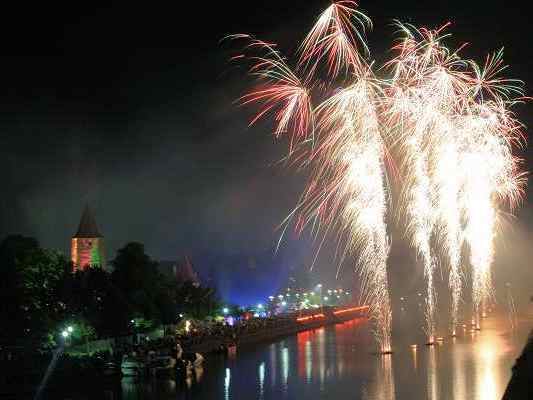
(347, 191)
(423, 98)
(281, 93)
(456, 137)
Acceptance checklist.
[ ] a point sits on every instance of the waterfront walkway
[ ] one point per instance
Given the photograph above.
(267, 329)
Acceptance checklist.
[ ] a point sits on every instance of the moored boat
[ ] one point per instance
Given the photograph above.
(132, 366)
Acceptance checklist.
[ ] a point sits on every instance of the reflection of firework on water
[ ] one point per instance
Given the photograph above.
(346, 192)
(382, 387)
(433, 383)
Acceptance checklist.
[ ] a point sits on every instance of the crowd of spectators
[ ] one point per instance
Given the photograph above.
(230, 334)
(209, 335)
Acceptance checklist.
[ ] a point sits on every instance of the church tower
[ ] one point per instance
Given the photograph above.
(87, 246)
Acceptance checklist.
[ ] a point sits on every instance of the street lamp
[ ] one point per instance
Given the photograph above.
(225, 310)
(64, 334)
(319, 286)
(70, 329)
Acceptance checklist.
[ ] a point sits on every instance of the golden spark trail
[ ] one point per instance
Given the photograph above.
(489, 134)
(348, 191)
(492, 175)
(449, 182)
(456, 137)
(421, 101)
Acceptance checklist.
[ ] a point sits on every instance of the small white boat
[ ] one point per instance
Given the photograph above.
(132, 366)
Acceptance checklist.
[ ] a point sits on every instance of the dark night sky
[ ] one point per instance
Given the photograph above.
(130, 108)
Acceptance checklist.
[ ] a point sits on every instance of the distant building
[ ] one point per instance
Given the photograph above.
(182, 271)
(87, 245)
(186, 273)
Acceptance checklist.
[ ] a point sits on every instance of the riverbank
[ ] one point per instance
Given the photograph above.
(289, 324)
(22, 375)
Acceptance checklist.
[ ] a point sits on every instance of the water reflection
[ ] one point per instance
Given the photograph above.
(227, 381)
(273, 362)
(432, 386)
(261, 374)
(458, 372)
(285, 368)
(382, 388)
(321, 356)
(486, 382)
(129, 387)
(490, 349)
(337, 362)
(308, 361)
(414, 353)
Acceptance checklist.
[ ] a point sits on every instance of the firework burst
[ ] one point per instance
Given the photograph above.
(346, 193)
(338, 37)
(281, 93)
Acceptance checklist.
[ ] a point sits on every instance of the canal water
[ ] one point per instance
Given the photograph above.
(337, 362)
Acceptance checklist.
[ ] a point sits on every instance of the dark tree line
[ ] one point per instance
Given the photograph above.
(40, 295)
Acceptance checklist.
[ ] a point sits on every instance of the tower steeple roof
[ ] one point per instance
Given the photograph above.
(87, 227)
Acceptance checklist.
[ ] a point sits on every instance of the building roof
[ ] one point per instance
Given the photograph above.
(185, 272)
(182, 270)
(87, 227)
